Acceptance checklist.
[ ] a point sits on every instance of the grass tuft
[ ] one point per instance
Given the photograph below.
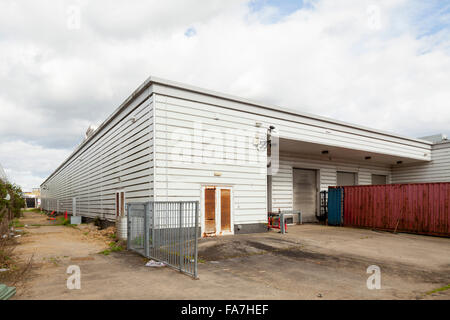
(16, 223)
(113, 247)
(444, 288)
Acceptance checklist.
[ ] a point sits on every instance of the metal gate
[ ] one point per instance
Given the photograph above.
(165, 231)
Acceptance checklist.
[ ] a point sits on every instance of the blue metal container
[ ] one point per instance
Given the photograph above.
(335, 206)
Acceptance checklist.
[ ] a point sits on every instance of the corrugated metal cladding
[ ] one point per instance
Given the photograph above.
(416, 208)
(282, 182)
(293, 125)
(169, 141)
(119, 157)
(198, 145)
(437, 170)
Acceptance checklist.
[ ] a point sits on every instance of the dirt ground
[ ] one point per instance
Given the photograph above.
(309, 262)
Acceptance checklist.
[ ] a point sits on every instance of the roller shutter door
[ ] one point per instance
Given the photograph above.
(379, 179)
(305, 194)
(346, 178)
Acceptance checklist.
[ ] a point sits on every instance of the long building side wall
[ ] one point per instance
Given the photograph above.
(437, 170)
(199, 145)
(119, 157)
(182, 116)
(282, 181)
(167, 143)
(306, 128)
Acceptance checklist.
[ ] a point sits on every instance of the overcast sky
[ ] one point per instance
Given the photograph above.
(67, 64)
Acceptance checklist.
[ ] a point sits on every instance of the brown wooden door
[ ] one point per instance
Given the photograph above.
(225, 209)
(210, 210)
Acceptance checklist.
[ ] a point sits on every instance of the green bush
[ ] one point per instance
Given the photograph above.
(15, 203)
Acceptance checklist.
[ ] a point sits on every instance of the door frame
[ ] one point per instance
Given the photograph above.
(217, 209)
(117, 204)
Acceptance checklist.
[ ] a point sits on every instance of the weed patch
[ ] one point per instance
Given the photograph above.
(36, 210)
(444, 288)
(65, 222)
(16, 223)
(113, 247)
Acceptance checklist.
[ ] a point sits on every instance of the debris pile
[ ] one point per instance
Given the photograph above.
(155, 264)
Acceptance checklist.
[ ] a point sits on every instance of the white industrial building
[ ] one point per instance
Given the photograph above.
(170, 141)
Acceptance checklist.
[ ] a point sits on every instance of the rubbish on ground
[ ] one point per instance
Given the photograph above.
(16, 236)
(6, 292)
(18, 230)
(319, 295)
(153, 263)
(3, 270)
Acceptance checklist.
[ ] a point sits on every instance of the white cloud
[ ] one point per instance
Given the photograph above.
(360, 61)
(27, 164)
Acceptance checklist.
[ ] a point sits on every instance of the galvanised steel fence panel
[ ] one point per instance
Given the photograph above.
(167, 232)
(136, 214)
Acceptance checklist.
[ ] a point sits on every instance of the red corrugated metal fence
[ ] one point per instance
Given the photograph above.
(418, 208)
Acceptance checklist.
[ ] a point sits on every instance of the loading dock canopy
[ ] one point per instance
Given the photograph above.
(327, 152)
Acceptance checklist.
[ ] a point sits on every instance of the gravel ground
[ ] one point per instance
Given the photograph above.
(310, 262)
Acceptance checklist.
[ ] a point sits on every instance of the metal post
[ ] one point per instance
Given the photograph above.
(196, 240)
(180, 231)
(128, 228)
(146, 229)
(282, 226)
(153, 227)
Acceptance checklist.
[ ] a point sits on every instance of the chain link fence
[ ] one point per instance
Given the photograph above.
(165, 231)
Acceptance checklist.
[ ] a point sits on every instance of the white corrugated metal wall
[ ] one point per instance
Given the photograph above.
(307, 128)
(205, 139)
(120, 157)
(178, 112)
(282, 183)
(216, 147)
(438, 170)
